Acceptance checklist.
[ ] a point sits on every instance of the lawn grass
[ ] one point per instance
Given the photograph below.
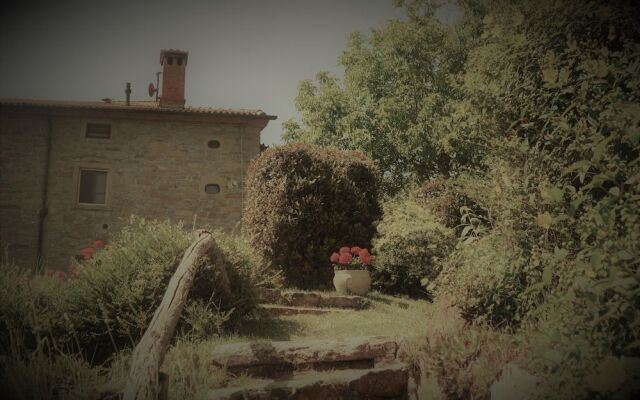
(187, 360)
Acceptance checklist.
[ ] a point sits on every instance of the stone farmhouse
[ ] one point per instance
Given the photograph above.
(72, 172)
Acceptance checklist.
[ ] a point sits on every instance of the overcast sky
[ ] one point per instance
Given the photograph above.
(242, 53)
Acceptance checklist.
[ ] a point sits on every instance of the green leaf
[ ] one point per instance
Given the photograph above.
(624, 255)
(547, 275)
(582, 166)
(549, 75)
(560, 254)
(596, 258)
(466, 230)
(544, 220)
(552, 194)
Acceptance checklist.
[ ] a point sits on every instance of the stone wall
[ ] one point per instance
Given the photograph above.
(23, 141)
(157, 168)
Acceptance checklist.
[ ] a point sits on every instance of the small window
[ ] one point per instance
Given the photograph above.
(212, 188)
(213, 144)
(98, 131)
(179, 61)
(93, 187)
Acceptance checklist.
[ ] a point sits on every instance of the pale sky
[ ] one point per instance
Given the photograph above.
(242, 53)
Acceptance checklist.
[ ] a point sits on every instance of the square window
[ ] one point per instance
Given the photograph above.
(93, 187)
(98, 131)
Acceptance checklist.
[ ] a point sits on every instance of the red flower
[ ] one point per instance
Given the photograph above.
(355, 250)
(335, 257)
(87, 252)
(98, 244)
(365, 258)
(344, 249)
(345, 258)
(56, 274)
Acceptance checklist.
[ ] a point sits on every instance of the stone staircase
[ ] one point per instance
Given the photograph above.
(349, 368)
(364, 367)
(278, 303)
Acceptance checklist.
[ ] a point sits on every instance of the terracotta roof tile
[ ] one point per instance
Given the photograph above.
(153, 106)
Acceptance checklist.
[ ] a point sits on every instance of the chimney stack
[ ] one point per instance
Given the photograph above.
(174, 63)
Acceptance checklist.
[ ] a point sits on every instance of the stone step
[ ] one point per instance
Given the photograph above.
(277, 310)
(312, 299)
(385, 382)
(283, 358)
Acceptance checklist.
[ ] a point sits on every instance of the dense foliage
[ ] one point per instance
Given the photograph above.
(391, 102)
(108, 302)
(410, 247)
(486, 279)
(533, 108)
(303, 201)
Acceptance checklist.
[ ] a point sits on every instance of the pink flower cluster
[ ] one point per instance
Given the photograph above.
(85, 254)
(355, 257)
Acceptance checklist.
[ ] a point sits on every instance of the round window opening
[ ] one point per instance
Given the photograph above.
(212, 188)
(213, 144)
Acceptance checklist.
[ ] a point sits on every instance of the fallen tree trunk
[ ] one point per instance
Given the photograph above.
(142, 382)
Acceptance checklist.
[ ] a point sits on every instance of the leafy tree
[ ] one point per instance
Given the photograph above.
(391, 102)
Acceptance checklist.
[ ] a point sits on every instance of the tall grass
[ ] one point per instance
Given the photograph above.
(63, 338)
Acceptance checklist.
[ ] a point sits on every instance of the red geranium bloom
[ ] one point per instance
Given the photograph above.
(344, 249)
(61, 275)
(335, 257)
(98, 244)
(87, 252)
(365, 258)
(355, 250)
(345, 258)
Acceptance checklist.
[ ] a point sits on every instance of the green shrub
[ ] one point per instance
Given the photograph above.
(409, 248)
(110, 303)
(29, 306)
(486, 279)
(444, 198)
(303, 202)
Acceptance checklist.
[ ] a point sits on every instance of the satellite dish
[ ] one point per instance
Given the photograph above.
(152, 90)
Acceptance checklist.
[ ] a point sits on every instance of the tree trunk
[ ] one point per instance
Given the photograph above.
(142, 382)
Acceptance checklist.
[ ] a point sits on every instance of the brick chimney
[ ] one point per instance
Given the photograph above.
(174, 63)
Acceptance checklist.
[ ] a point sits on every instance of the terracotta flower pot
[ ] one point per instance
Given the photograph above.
(355, 281)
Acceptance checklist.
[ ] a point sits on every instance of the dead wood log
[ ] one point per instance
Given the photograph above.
(142, 382)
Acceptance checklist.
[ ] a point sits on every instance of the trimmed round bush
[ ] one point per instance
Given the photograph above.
(303, 202)
(486, 279)
(409, 249)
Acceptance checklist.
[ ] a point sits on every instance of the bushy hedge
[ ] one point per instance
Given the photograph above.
(305, 201)
(107, 303)
(486, 279)
(409, 248)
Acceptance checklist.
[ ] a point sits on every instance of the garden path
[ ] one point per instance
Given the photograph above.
(341, 367)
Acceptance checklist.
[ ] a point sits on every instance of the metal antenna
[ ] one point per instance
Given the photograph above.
(127, 91)
(158, 84)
